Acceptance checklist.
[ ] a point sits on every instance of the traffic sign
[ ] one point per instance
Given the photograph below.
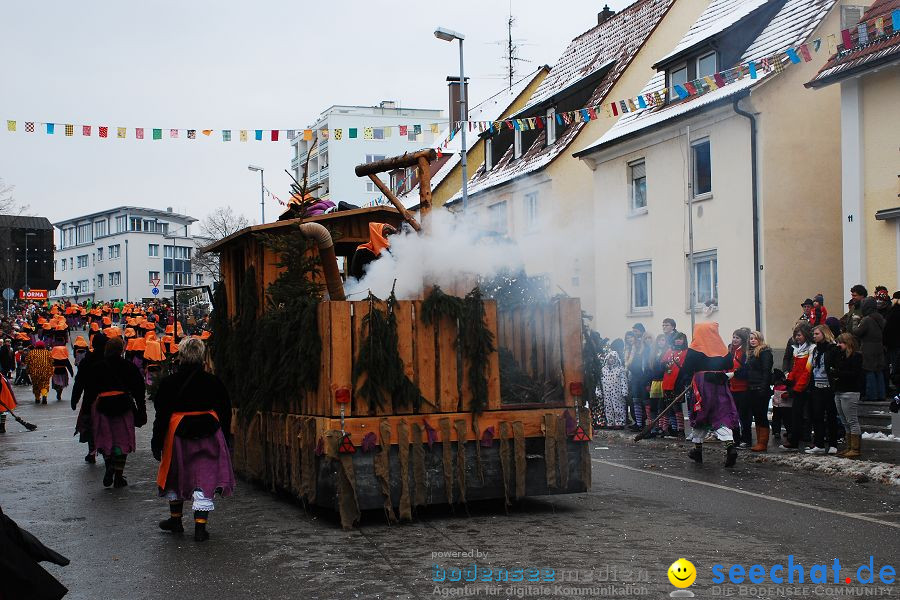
(155, 282)
(155, 291)
(9, 294)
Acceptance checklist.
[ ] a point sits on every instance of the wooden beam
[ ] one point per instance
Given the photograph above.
(424, 190)
(407, 216)
(396, 162)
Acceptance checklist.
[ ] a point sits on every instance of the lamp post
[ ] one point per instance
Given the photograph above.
(75, 289)
(448, 35)
(262, 192)
(28, 234)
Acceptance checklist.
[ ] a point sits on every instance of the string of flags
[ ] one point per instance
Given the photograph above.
(865, 33)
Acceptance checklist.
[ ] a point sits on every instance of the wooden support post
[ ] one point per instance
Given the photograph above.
(424, 190)
(407, 216)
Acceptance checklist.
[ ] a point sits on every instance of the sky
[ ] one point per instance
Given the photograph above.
(268, 64)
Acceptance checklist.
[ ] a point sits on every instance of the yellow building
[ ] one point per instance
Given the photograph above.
(530, 187)
(868, 77)
(724, 205)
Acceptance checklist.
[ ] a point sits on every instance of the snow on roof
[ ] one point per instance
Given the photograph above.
(791, 26)
(488, 110)
(719, 16)
(617, 40)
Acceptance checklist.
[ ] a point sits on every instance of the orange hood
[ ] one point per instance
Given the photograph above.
(377, 241)
(59, 353)
(707, 340)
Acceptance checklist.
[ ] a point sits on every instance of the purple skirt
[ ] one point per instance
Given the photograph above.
(110, 432)
(61, 380)
(716, 406)
(203, 464)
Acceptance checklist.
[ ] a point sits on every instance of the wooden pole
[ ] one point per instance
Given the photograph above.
(407, 216)
(395, 162)
(424, 190)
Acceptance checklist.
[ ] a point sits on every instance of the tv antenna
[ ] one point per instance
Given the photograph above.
(511, 48)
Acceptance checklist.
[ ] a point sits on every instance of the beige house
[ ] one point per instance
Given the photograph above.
(868, 77)
(530, 187)
(746, 174)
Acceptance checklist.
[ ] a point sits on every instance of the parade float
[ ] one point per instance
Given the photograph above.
(384, 403)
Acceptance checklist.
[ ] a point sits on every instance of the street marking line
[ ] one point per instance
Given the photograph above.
(753, 494)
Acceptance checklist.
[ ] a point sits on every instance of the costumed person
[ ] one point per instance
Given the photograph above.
(614, 383)
(672, 361)
(83, 422)
(118, 408)
(81, 349)
(62, 369)
(371, 250)
(21, 577)
(712, 407)
(154, 355)
(40, 369)
(193, 418)
(7, 401)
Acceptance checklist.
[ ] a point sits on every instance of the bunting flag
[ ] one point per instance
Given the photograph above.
(10, 125)
(352, 134)
(192, 134)
(338, 134)
(895, 19)
(139, 133)
(50, 128)
(120, 132)
(103, 131)
(752, 67)
(324, 133)
(290, 134)
(862, 34)
(612, 105)
(29, 127)
(403, 130)
(274, 135)
(157, 134)
(879, 27)
(792, 55)
(641, 102)
(846, 38)
(435, 129)
(207, 132)
(173, 133)
(226, 135)
(70, 130)
(257, 133)
(804, 52)
(417, 130)
(242, 135)
(368, 133)
(682, 92)
(711, 83)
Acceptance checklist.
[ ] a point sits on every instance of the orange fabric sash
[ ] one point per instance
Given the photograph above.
(166, 461)
(6, 396)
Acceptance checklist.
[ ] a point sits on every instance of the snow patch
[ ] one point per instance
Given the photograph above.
(881, 437)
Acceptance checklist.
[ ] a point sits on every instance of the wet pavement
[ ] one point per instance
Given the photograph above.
(648, 507)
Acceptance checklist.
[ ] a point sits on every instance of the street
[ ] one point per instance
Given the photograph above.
(648, 507)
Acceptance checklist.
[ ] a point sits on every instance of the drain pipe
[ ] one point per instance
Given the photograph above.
(322, 237)
(754, 174)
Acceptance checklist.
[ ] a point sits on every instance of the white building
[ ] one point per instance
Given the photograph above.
(333, 159)
(118, 253)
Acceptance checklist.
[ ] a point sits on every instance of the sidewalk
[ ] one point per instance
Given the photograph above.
(881, 458)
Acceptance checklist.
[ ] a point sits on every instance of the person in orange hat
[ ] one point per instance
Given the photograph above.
(81, 349)
(62, 369)
(40, 369)
(371, 250)
(154, 355)
(134, 351)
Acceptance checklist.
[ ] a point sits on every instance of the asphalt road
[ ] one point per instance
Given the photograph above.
(647, 508)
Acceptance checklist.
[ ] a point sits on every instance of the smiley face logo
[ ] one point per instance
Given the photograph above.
(682, 573)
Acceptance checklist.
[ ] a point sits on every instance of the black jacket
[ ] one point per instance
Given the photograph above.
(759, 370)
(845, 373)
(891, 333)
(107, 374)
(21, 577)
(696, 362)
(191, 389)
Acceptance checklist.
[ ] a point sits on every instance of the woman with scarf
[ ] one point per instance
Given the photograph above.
(40, 369)
(759, 387)
(821, 395)
(371, 250)
(712, 407)
(672, 363)
(740, 344)
(193, 418)
(62, 369)
(798, 380)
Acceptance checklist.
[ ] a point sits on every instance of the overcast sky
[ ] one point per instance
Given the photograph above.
(228, 65)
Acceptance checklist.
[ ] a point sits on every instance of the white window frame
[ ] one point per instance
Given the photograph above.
(100, 253)
(640, 164)
(517, 144)
(694, 145)
(672, 84)
(640, 267)
(531, 209)
(153, 250)
(700, 258)
(99, 280)
(496, 224)
(715, 65)
(550, 126)
(121, 223)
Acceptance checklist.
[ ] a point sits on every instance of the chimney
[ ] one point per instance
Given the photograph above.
(455, 108)
(604, 16)
(387, 104)
(168, 209)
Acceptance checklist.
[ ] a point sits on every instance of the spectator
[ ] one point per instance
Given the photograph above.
(669, 329)
(797, 383)
(740, 341)
(847, 380)
(7, 358)
(638, 373)
(759, 387)
(821, 396)
(870, 333)
(819, 313)
(854, 314)
(657, 370)
(672, 362)
(807, 306)
(892, 337)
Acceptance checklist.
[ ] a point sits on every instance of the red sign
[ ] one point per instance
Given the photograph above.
(155, 282)
(33, 294)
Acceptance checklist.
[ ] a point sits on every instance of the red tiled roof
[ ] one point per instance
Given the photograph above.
(878, 51)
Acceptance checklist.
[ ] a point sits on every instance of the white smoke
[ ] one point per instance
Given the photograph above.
(454, 247)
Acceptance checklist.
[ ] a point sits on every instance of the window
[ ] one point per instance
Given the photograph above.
(71, 263)
(551, 126)
(150, 226)
(151, 276)
(100, 254)
(163, 228)
(370, 185)
(83, 234)
(706, 277)
(63, 289)
(84, 286)
(82, 261)
(99, 229)
(370, 158)
(706, 65)
(702, 164)
(115, 278)
(179, 278)
(378, 133)
(63, 264)
(677, 76)
(114, 251)
(135, 224)
(517, 143)
(531, 211)
(121, 222)
(100, 280)
(641, 275)
(198, 278)
(851, 16)
(637, 175)
(153, 249)
(497, 219)
(488, 154)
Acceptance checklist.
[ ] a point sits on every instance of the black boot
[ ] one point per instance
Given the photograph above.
(90, 458)
(200, 533)
(696, 454)
(119, 467)
(173, 523)
(3, 423)
(110, 471)
(730, 454)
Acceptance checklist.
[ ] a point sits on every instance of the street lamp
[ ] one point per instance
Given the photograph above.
(448, 35)
(75, 289)
(28, 234)
(262, 192)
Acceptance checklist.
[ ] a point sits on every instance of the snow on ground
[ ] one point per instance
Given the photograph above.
(881, 437)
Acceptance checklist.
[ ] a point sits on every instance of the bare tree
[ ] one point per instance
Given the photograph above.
(218, 224)
(8, 203)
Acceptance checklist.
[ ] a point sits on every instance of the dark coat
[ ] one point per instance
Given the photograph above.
(696, 362)
(759, 370)
(870, 333)
(21, 577)
(846, 373)
(191, 389)
(7, 358)
(108, 374)
(892, 328)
